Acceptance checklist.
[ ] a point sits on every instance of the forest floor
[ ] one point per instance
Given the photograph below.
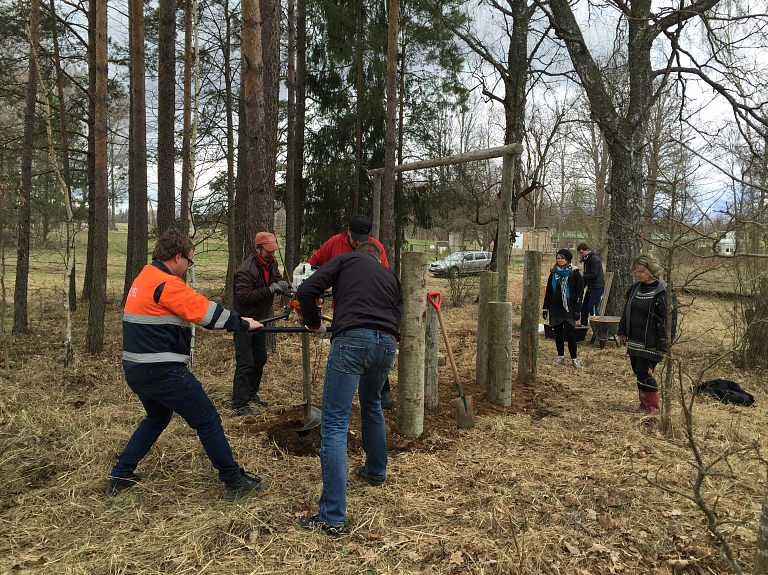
(563, 481)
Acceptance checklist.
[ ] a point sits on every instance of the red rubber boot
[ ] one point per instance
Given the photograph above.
(643, 407)
(652, 403)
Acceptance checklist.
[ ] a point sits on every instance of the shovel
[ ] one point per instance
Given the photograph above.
(465, 406)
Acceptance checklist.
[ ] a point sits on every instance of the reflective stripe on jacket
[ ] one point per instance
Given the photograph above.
(157, 318)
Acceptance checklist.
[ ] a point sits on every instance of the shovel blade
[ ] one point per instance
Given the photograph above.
(465, 412)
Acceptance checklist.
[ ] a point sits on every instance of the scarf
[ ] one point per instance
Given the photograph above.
(561, 276)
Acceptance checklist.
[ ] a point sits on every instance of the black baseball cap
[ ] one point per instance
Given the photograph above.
(360, 228)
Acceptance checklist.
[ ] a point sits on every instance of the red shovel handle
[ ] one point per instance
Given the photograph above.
(435, 299)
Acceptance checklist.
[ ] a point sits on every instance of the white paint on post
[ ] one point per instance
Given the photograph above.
(410, 363)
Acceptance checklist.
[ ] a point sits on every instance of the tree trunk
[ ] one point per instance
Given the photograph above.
(166, 115)
(253, 127)
(293, 208)
(94, 339)
(64, 135)
(243, 245)
(232, 261)
(20, 321)
(88, 276)
(761, 548)
(388, 191)
(301, 112)
(528, 347)
(136, 257)
(624, 131)
(359, 97)
(410, 364)
(270, 13)
(186, 159)
(756, 336)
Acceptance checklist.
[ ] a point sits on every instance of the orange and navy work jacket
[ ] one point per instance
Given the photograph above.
(157, 319)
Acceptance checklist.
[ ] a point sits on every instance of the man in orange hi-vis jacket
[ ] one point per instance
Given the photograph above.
(157, 319)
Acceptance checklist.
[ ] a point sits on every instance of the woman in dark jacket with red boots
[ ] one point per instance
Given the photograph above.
(643, 328)
(562, 304)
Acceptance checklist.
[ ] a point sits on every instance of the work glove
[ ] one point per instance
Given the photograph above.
(282, 286)
(545, 314)
(623, 339)
(320, 329)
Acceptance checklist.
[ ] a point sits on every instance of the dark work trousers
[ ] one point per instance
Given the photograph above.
(590, 304)
(643, 369)
(250, 357)
(565, 331)
(177, 391)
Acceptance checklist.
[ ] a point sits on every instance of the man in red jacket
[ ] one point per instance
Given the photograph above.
(253, 289)
(345, 243)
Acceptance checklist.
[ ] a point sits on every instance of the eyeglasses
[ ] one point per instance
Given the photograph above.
(189, 261)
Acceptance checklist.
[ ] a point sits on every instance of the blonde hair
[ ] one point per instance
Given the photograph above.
(648, 262)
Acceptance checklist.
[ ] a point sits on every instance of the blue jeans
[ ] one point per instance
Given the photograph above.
(590, 304)
(358, 357)
(179, 391)
(250, 357)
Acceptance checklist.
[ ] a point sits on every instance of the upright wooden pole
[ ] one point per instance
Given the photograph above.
(431, 396)
(500, 352)
(410, 364)
(505, 225)
(528, 348)
(489, 286)
(376, 215)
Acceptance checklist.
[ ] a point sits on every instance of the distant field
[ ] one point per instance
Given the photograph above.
(717, 276)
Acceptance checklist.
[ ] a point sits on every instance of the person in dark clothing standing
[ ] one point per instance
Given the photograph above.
(365, 332)
(594, 282)
(253, 289)
(346, 243)
(562, 301)
(643, 328)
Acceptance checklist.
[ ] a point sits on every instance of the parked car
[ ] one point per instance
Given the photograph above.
(461, 263)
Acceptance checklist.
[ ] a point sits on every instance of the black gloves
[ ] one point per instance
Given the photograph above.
(545, 314)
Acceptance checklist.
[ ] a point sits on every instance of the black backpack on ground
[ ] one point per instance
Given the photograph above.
(726, 391)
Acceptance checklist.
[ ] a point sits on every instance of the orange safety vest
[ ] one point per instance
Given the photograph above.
(157, 318)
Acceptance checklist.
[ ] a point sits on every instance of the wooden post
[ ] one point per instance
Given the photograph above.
(410, 364)
(505, 222)
(489, 286)
(500, 352)
(376, 215)
(430, 359)
(528, 348)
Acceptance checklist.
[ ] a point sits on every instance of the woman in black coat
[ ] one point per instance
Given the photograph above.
(643, 328)
(562, 305)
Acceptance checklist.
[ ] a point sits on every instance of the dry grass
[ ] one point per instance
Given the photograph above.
(556, 485)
